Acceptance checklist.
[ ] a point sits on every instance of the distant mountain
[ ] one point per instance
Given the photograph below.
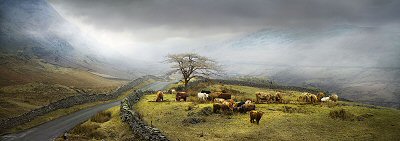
(35, 29)
(358, 63)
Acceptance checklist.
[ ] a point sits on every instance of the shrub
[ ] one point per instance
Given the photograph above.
(101, 117)
(193, 120)
(342, 114)
(84, 129)
(206, 111)
(288, 109)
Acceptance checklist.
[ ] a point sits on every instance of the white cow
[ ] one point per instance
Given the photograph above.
(248, 102)
(202, 96)
(325, 99)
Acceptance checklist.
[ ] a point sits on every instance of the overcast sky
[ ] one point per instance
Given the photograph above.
(150, 28)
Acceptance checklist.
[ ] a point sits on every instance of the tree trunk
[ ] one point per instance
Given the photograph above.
(186, 83)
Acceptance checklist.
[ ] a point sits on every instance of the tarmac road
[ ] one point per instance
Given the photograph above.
(52, 129)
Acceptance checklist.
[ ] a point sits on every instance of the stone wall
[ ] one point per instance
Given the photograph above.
(130, 116)
(69, 102)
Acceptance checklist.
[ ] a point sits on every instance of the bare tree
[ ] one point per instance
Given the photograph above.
(192, 65)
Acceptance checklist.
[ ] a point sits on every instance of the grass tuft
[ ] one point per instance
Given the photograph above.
(101, 117)
(342, 114)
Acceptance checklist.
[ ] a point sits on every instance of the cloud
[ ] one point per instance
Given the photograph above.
(309, 32)
(191, 18)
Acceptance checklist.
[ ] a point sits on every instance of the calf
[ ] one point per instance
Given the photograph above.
(255, 115)
(181, 95)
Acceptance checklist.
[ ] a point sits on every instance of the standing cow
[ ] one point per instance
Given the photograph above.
(160, 96)
(181, 95)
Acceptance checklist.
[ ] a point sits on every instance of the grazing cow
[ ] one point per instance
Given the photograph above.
(313, 98)
(181, 95)
(220, 107)
(260, 96)
(214, 95)
(301, 98)
(229, 104)
(219, 100)
(225, 96)
(255, 115)
(320, 96)
(245, 107)
(279, 97)
(238, 104)
(172, 91)
(334, 98)
(202, 96)
(205, 91)
(247, 102)
(160, 96)
(325, 99)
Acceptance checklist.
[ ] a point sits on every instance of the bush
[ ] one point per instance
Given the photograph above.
(84, 129)
(342, 115)
(101, 117)
(206, 111)
(193, 120)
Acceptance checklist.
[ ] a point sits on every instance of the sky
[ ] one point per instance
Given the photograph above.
(354, 32)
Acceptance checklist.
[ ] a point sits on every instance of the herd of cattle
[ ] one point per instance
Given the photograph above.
(223, 102)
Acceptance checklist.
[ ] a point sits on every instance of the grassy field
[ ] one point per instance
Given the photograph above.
(292, 121)
(29, 84)
(106, 125)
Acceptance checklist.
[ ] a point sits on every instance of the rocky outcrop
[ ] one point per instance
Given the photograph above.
(69, 102)
(130, 116)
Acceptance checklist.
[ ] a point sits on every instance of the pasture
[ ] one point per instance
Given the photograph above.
(293, 121)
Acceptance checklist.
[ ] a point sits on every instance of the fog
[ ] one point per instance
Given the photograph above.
(357, 33)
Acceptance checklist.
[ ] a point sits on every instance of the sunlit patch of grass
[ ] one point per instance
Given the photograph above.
(101, 117)
(113, 129)
(302, 122)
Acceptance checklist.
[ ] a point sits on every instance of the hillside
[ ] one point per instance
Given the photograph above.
(35, 29)
(26, 84)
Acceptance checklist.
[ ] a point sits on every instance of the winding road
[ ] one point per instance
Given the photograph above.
(52, 129)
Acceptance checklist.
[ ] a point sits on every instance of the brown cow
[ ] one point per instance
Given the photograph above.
(181, 95)
(260, 96)
(225, 96)
(320, 96)
(279, 97)
(214, 95)
(219, 100)
(334, 97)
(313, 98)
(220, 107)
(245, 107)
(160, 96)
(255, 115)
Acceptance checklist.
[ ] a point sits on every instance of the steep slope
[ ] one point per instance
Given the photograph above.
(34, 28)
